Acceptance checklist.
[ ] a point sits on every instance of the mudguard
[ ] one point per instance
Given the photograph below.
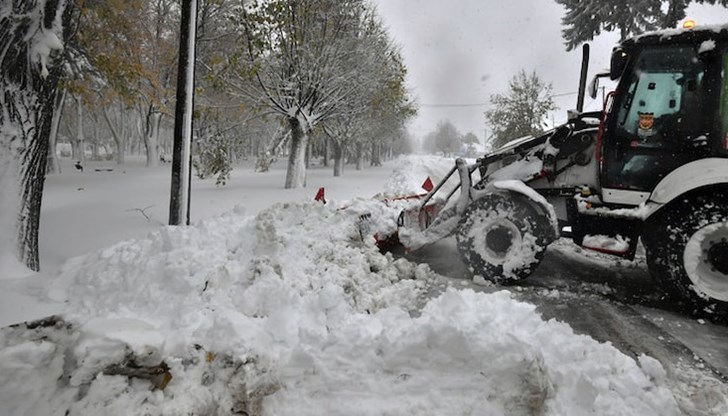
(694, 175)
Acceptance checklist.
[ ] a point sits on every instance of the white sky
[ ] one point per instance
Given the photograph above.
(462, 51)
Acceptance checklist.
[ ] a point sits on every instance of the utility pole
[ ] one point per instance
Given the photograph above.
(179, 202)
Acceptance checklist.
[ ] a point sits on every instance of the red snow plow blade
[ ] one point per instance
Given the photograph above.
(418, 216)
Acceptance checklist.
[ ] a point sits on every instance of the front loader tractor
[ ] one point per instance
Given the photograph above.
(651, 166)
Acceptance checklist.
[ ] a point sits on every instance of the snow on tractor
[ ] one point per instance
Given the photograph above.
(653, 165)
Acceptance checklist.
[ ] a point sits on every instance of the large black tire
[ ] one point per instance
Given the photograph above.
(687, 250)
(502, 238)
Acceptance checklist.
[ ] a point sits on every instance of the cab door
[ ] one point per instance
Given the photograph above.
(664, 116)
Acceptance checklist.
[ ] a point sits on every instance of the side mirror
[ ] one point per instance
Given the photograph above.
(618, 62)
(594, 84)
(593, 87)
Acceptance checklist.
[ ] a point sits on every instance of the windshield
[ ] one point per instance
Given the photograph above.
(666, 96)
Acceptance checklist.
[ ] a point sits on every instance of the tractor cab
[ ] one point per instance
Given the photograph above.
(670, 108)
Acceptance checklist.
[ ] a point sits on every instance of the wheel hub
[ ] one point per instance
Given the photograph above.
(495, 240)
(499, 239)
(717, 256)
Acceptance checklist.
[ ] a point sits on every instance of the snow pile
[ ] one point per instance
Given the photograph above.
(249, 290)
(293, 312)
(294, 251)
(468, 353)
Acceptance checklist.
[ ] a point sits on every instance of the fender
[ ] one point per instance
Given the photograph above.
(530, 195)
(694, 175)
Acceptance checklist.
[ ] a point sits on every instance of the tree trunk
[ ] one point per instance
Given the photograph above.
(326, 152)
(308, 156)
(95, 145)
(59, 102)
(359, 156)
(26, 114)
(78, 148)
(296, 173)
(376, 154)
(151, 135)
(118, 136)
(338, 157)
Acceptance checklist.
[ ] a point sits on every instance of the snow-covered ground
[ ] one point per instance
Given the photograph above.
(273, 304)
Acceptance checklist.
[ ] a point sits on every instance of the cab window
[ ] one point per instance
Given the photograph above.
(664, 98)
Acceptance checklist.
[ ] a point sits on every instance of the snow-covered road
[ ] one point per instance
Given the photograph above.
(613, 301)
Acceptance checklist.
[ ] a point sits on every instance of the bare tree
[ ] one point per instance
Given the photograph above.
(296, 57)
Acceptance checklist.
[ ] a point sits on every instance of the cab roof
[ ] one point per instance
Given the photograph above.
(669, 36)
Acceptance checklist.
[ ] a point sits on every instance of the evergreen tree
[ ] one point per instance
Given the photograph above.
(585, 19)
(521, 112)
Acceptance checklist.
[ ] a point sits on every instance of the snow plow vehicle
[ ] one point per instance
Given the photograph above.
(651, 166)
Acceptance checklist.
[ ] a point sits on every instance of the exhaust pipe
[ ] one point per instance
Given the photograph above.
(582, 78)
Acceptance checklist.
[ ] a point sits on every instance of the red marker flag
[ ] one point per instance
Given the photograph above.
(320, 195)
(427, 186)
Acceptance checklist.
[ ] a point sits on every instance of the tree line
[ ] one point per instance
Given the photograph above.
(305, 78)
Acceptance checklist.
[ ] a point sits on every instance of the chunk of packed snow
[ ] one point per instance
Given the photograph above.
(706, 46)
(603, 242)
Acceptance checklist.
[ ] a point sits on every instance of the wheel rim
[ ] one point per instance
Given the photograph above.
(706, 260)
(496, 240)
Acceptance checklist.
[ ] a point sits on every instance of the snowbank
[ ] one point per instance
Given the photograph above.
(293, 312)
